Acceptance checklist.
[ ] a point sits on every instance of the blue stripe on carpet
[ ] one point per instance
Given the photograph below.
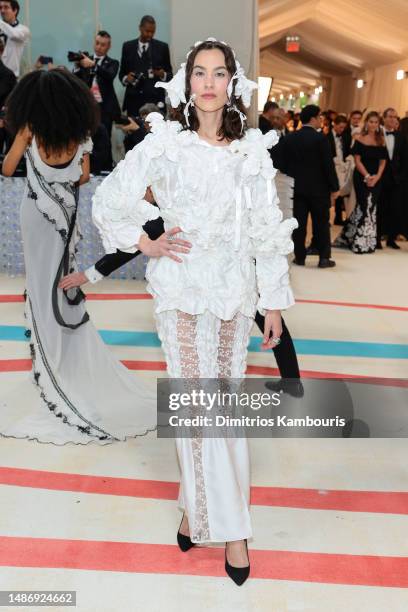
(333, 348)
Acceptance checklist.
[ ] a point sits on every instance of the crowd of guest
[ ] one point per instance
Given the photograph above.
(357, 163)
(144, 61)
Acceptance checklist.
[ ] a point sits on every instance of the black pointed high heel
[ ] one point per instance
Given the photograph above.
(237, 574)
(184, 541)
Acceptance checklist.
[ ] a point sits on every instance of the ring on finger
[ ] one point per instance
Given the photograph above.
(276, 340)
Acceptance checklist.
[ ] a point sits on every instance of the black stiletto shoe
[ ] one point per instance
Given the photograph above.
(184, 541)
(237, 574)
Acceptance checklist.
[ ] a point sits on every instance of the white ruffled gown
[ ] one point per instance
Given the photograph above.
(224, 199)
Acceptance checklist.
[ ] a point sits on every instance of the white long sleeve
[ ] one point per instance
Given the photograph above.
(119, 209)
(272, 242)
(17, 36)
(19, 32)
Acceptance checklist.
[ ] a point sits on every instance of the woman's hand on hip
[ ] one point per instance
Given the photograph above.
(272, 330)
(165, 246)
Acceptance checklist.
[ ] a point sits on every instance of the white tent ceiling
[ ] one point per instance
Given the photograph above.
(337, 37)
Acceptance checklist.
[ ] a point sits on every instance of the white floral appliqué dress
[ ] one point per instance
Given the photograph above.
(224, 199)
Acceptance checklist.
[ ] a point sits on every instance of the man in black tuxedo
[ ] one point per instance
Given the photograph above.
(389, 215)
(340, 143)
(145, 61)
(279, 153)
(264, 121)
(8, 81)
(311, 164)
(99, 72)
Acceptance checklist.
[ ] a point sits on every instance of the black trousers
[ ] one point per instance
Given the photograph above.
(107, 120)
(339, 207)
(389, 213)
(319, 208)
(285, 352)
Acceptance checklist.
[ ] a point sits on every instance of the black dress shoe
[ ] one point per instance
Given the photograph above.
(237, 574)
(184, 541)
(326, 263)
(393, 245)
(311, 251)
(298, 262)
(291, 386)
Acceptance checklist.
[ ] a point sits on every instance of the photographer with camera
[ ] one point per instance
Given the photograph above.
(145, 61)
(98, 71)
(136, 128)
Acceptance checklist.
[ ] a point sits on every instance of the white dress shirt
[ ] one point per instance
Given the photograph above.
(96, 92)
(17, 36)
(389, 142)
(143, 46)
(339, 146)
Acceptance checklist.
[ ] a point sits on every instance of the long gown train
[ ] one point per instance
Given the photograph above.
(83, 392)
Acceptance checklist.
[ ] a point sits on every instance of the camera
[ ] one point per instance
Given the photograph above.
(122, 120)
(138, 79)
(45, 59)
(76, 56)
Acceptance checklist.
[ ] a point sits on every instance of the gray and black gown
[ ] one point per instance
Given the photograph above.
(82, 393)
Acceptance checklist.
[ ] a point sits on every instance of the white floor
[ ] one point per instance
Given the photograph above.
(342, 465)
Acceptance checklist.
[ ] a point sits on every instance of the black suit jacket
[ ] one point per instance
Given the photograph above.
(346, 143)
(108, 263)
(158, 57)
(310, 163)
(105, 71)
(7, 82)
(280, 155)
(395, 167)
(264, 124)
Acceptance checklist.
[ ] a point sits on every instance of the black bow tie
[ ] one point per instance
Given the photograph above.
(390, 133)
(338, 135)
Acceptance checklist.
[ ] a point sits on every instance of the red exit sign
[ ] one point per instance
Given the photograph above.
(292, 44)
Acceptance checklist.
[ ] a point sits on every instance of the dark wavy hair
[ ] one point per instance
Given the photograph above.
(56, 106)
(379, 135)
(231, 123)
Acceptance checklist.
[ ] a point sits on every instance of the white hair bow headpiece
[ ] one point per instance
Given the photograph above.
(176, 88)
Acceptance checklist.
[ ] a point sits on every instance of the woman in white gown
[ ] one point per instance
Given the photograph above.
(213, 181)
(83, 393)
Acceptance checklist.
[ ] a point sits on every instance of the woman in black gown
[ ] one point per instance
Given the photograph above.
(360, 230)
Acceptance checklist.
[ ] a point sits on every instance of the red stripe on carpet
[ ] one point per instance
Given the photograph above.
(367, 570)
(353, 501)
(22, 365)
(147, 296)
(354, 305)
(118, 296)
(11, 298)
(15, 365)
